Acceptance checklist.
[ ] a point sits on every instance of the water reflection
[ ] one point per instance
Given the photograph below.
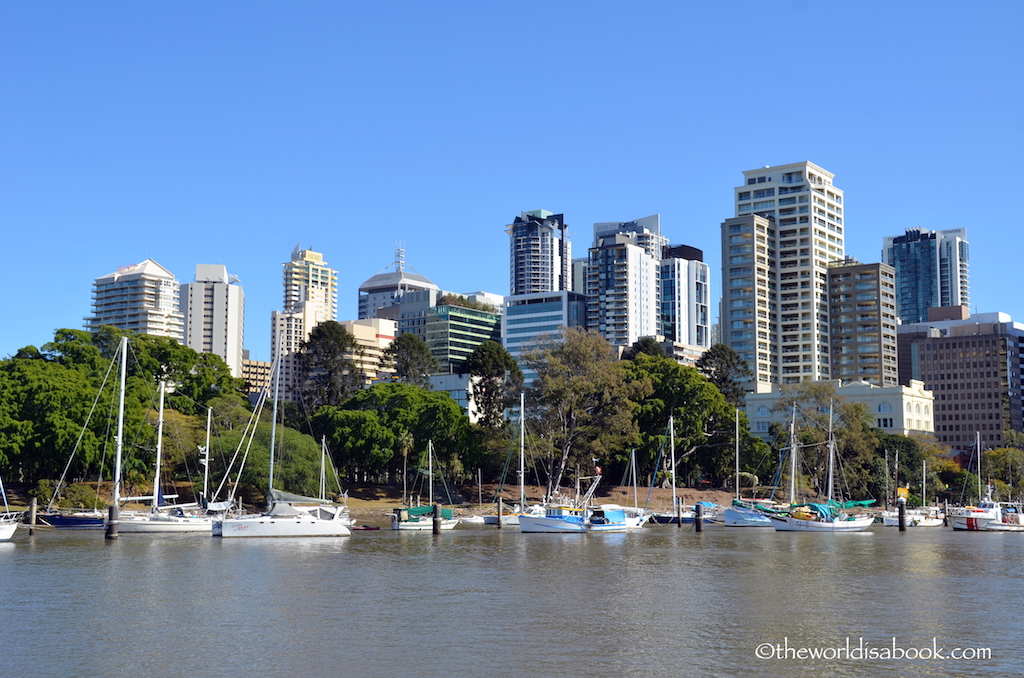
(657, 602)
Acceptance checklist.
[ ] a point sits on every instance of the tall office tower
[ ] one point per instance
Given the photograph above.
(623, 295)
(141, 298)
(391, 287)
(540, 253)
(214, 311)
(775, 256)
(862, 300)
(931, 271)
(974, 366)
(310, 298)
(685, 297)
(528, 317)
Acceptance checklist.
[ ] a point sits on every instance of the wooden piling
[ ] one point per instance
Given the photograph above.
(679, 514)
(698, 517)
(32, 516)
(901, 507)
(501, 510)
(437, 519)
(945, 512)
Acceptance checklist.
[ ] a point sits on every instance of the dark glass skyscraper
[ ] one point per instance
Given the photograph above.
(931, 271)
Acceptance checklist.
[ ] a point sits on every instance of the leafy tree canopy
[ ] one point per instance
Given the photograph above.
(726, 370)
(581, 401)
(411, 360)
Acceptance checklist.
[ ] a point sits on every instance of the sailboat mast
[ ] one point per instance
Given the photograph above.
(672, 447)
(831, 455)
(792, 458)
(522, 452)
(430, 469)
(120, 422)
(978, 446)
(632, 463)
(737, 436)
(159, 446)
(206, 454)
(273, 418)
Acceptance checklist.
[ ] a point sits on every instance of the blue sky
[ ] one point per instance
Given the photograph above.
(228, 132)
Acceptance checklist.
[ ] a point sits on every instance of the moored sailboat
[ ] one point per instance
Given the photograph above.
(286, 516)
(815, 517)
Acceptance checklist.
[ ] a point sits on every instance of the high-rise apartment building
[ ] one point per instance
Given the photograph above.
(540, 253)
(309, 280)
(862, 300)
(775, 256)
(310, 298)
(685, 296)
(931, 271)
(214, 314)
(140, 298)
(391, 287)
(623, 285)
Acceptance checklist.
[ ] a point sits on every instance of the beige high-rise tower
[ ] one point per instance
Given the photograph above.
(310, 298)
(788, 226)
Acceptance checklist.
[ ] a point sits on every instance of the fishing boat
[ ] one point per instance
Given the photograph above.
(288, 515)
(816, 517)
(577, 517)
(977, 518)
(420, 518)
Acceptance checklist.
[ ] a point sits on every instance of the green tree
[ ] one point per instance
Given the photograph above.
(497, 379)
(644, 346)
(328, 368)
(726, 370)
(856, 441)
(410, 358)
(704, 423)
(581, 401)
(403, 417)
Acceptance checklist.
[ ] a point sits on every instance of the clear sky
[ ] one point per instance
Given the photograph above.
(228, 132)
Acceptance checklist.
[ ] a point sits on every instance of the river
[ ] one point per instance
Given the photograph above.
(478, 601)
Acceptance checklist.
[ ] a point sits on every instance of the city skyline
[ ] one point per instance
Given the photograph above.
(164, 132)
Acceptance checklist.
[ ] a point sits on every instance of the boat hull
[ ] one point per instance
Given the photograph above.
(274, 526)
(563, 524)
(7, 529)
(147, 525)
(422, 525)
(737, 517)
(73, 521)
(790, 524)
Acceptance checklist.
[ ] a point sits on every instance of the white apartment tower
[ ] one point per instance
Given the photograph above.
(310, 298)
(622, 281)
(214, 312)
(775, 256)
(540, 254)
(140, 298)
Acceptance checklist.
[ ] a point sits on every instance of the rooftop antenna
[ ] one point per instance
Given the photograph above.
(399, 257)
